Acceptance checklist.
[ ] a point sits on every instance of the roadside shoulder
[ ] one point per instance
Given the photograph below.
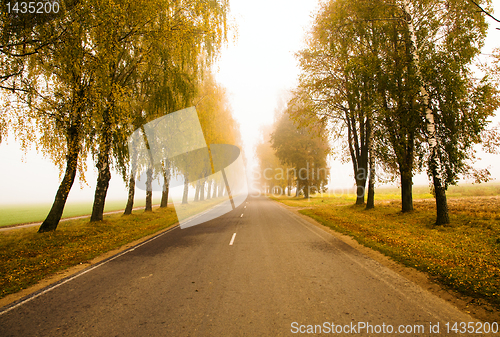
(462, 302)
(74, 270)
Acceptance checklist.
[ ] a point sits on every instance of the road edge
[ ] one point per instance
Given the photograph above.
(7, 302)
(25, 294)
(461, 302)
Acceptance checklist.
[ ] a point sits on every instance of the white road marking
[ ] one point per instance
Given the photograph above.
(232, 239)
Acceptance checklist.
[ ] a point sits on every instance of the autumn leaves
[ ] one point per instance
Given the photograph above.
(83, 82)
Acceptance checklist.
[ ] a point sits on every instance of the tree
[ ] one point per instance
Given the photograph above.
(305, 149)
(411, 61)
(399, 111)
(78, 94)
(57, 92)
(160, 86)
(197, 27)
(217, 123)
(337, 79)
(455, 106)
(272, 173)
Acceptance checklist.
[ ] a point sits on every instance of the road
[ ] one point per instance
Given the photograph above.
(275, 276)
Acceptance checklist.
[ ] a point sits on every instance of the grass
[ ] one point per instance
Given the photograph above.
(464, 255)
(19, 214)
(26, 257)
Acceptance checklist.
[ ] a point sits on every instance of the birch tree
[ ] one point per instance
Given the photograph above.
(455, 106)
(56, 102)
(199, 26)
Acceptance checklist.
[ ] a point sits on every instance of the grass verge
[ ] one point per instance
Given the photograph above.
(26, 213)
(464, 256)
(26, 257)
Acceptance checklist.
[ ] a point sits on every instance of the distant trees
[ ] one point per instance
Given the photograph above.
(273, 176)
(393, 78)
(218, 126)
(294, 154)
(86, 79)
(305, 149)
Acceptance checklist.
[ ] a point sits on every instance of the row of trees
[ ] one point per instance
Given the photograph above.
(395, 80)
(293, 155)
(80, 82)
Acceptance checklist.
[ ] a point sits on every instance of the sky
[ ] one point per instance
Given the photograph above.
(257, 68)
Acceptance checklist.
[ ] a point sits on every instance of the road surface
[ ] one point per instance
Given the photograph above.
(259, 270)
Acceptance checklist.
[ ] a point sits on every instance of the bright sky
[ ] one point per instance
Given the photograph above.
(260, 66)
(256, 70)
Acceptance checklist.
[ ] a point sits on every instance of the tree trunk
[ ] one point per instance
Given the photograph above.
(52, 220)
(360, 187)
(149, 190)
(442, 216)
(186, 190)
(197, 192)
(131, 184)
(131, 193)
(209, 189)
(202, 190)
(164, 195)
(102, 182)
(214, 195)
(370, 202)
(358, 150)
(149, 174)
(166, 181)
(104, 175)
(406, 192)
(289, 184)
(221, 189)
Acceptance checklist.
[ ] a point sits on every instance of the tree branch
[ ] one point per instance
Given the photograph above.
(485, 12)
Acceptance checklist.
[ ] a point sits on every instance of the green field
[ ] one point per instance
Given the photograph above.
(20, 214)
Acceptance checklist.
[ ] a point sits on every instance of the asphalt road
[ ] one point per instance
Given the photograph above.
(275, 276)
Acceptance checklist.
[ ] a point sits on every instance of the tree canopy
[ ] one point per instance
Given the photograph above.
(394, 79)
(87, 78)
